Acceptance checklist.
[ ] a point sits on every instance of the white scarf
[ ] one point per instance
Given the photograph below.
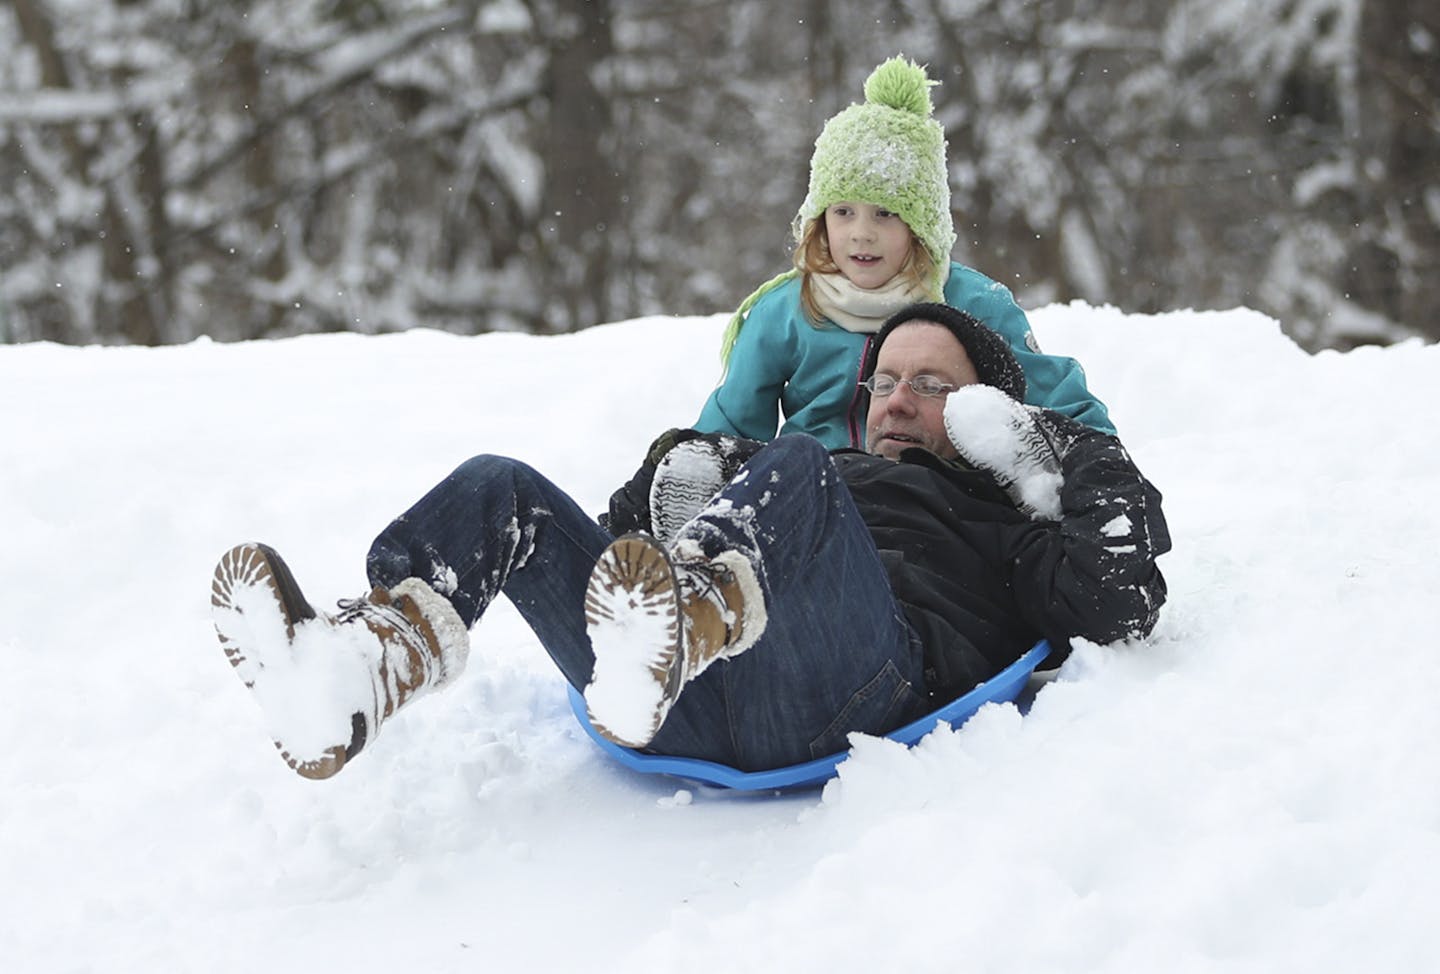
(860, 310)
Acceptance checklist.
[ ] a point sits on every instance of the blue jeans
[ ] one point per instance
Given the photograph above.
(836, 656)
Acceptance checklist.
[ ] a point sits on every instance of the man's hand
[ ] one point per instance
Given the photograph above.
(1009, 440)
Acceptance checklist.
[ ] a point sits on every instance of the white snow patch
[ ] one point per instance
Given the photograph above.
(1119, 526)
(1246, 790)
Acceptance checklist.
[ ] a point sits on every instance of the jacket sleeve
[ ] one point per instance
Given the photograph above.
(1092, 574)
(747, 401)
(1052, 381)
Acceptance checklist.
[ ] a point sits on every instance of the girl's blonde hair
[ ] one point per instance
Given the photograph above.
(812, 256)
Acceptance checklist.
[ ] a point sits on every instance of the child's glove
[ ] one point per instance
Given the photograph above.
(1012, 442)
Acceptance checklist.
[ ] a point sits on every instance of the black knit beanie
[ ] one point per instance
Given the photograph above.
(989, 353)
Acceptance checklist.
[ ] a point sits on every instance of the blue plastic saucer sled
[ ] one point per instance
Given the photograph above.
(1004, 687)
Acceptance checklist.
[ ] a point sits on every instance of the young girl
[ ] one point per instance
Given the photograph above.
(873, 235)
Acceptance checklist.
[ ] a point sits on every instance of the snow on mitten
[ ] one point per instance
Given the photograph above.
(1007, 438)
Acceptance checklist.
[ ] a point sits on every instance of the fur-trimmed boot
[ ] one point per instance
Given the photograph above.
(327, 682)
(689, 475)
(657, 618)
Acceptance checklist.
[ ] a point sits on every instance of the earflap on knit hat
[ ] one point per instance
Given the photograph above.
(887, 152)
(989, 353)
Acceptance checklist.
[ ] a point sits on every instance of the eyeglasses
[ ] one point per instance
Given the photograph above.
(882, 385)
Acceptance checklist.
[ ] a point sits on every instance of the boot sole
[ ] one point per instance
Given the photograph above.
(632, 615)
(258, 566)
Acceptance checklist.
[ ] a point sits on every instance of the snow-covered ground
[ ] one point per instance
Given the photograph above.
(1252, 789)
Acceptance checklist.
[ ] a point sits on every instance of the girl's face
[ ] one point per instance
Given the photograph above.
(868, 243)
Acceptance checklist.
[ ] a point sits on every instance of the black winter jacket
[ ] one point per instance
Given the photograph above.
(981, 583)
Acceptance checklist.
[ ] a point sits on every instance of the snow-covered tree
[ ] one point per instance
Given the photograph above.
(284, 166)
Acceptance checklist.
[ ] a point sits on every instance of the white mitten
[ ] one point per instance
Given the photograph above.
(995, 433)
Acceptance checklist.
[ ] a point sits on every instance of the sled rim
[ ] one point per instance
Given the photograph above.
(1003, 687)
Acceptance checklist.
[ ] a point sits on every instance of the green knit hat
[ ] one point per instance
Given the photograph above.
(887, 152)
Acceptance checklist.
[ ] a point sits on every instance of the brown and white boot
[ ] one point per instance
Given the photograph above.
(657, 619)
(327, 682)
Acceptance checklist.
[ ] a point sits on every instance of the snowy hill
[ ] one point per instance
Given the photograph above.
(1252, 789)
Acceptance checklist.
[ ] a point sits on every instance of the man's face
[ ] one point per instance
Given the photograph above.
(905, 419)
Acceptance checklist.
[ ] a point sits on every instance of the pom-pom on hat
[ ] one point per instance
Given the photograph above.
(989, 353)
(887, 152)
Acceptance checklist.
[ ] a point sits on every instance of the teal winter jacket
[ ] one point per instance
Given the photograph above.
(812, 374)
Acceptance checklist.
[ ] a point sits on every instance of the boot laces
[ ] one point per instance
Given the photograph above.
(399, 676)
(703, 581)
(386, 614)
